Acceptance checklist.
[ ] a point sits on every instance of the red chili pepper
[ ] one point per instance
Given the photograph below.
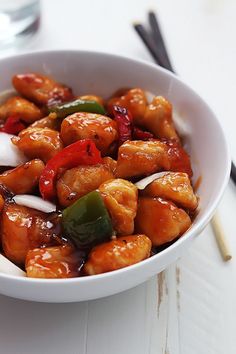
(178, 157)
(139, 134)
(83, 152)
(13, 125)
(124, 123)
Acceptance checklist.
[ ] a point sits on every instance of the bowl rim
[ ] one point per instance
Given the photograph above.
(189, 234)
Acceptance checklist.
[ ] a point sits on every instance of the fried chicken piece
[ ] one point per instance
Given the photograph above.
(162, 221)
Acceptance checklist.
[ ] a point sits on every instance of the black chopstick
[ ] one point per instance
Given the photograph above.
(233, 172)
(149, 43)
(158, 38)
(156, 46)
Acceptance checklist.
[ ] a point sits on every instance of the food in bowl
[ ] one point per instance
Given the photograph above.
(96, 185)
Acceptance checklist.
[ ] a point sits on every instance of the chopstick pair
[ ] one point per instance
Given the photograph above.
(154, 42)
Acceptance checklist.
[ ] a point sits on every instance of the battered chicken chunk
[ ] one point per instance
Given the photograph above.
(49, 121)
(39, 143)
(26, 110)
(158, 119)
(22, 229)
(24, 178)
(134, 100)
(101, 129)
(137, 158)
(53, 262)
(174, 186)
(110, 163)
(160, 220)
(118, 253)
(41, 89)
(120, 198)
(78, 181)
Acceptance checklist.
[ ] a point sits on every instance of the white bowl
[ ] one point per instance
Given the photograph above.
(89, 72)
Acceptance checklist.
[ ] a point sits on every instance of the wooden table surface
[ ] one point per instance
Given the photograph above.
(190, 308)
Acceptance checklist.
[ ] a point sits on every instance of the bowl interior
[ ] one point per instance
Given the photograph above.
(102, 74)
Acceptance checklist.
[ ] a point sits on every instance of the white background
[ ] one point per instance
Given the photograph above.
(191, 307)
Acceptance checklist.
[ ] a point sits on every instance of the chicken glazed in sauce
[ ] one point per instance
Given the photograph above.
(69, 202)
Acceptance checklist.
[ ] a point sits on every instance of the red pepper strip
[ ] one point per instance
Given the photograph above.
(83, 152)
(124, 123)
(13, 125)
(139, 134)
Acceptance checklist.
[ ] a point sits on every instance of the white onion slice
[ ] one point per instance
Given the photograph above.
(143, 183)
(10, 155)
(4, 95)
(7, 267)
(32, 201)
(182, 126)
(149, 96)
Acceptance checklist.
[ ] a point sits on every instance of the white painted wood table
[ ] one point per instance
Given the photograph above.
(191, 307)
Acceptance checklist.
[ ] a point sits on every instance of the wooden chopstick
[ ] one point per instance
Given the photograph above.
(156, 46)
(220, 238)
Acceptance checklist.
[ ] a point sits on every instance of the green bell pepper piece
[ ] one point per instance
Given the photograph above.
(87, 221)
(65, 109)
